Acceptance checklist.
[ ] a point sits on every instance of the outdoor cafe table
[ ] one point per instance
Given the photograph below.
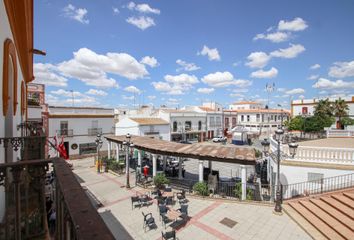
(167, 194)
(173, 214)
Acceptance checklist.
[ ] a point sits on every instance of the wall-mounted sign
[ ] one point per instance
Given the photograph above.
(74, 146)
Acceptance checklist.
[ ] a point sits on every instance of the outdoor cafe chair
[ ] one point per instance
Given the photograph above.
(135, 201)
(169, 235)
(162, 210)
(165, 220)
(149, 221)
(183, 210)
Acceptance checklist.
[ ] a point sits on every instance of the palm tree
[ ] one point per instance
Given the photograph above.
(340, 109)
(323, 108)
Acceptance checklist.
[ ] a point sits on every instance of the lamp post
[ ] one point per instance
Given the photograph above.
(99, 143)
(292, 151)
(127, 144)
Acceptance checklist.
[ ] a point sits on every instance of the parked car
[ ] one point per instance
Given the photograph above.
(219, 139)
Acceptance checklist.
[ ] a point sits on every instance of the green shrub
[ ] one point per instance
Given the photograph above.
(257, 153)
(160, 179)
(238, 192)
(201, 188)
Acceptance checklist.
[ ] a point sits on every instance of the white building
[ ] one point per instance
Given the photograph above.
(79, 127)
(306, 107)
(16, 71)
(185, 125)
(151, 127)
(254, 117)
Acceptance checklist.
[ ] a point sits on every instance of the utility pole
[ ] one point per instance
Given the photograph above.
(269, 88)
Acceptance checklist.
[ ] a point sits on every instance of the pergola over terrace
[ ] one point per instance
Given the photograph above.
(238, 155)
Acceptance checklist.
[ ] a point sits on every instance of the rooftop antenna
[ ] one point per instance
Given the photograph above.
(269, 88)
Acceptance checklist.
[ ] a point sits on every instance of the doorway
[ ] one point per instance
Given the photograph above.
(66, 145)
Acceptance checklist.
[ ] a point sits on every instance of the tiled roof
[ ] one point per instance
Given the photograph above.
(207, 109)
(260, 110)
(330, 214)
(150, 121)
(240, 155)
(246, 102)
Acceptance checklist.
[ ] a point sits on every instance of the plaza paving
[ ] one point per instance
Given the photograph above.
(254, 221)
(330, 142)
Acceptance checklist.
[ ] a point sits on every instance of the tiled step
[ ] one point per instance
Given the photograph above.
(316, 222)
(345, 200)
(349, 195)
(337, 226)
(344, 219)
(339, 206)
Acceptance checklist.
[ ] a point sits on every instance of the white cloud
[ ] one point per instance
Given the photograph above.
(240, 90)
(212, 53)
(173, 101)
(281, 89)
(342, 70)
(45, 73)
(169, 88)
(150, 61)
(205, 90)
(132, 89)
(182, 79)
(65, 93)
(127, 97)
(92, 68)
(298, 24)
(78, 14)
(323, 83)
(295, 91)
(64, 97)
(257, 60)
(313, 77)
(142, 8)
(224, 79)
(290, 52)
(275, 37)
(186, 66)
(302, 97)
(96, 92)
(151, 97)
(236, 95)
(235, 64)
(315, 66)
(271, 73)
(141, 22)
(115, 10)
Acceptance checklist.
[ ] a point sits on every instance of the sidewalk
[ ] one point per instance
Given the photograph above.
(246, 221)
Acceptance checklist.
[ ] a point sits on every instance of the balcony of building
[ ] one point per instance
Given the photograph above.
(33, 188)
(94, 131)
(65, 132)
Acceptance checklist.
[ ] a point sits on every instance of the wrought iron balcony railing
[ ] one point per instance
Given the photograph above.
(65, 132)
(23, 148)
(94, 131)
(25, 203)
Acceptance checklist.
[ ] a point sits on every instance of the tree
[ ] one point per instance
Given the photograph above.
(317, 123)
(346, 121)
(296, 123)
(323, 108)
(340, 108)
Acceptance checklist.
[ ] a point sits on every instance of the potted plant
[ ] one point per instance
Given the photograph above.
(201, 188)
(160, 180)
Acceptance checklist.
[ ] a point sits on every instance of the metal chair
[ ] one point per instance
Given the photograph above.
(162, 210)
(184, 211)
(135, 199)
(169, 235)
(149, 221)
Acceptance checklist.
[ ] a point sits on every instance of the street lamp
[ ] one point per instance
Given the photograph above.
(99, 143)
(127, 144)
(292, 151)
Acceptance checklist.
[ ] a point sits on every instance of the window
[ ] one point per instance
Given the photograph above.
(233, 122)
(151, 128)
(64, 127)
(262, 117)
(86, 148)
(211, 122)
(174, 127)
(258, 117)
(227, 122)
(304, 110)
(188, 125)
(271, 117)
(218, 121)
(200, 125)
(9, 84)
(275, 117)
(242, 118)
(248, 118)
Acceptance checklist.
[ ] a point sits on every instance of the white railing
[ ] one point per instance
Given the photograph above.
(328, 155)
(332, 133)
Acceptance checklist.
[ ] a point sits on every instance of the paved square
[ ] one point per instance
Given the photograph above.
(254, 221)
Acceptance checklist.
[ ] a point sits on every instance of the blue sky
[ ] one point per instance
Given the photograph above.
(117, 53)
